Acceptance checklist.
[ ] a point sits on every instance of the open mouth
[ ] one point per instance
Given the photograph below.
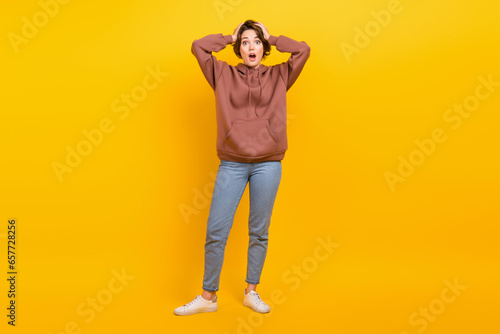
(252, 56)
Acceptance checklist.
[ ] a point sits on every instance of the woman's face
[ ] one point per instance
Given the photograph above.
(251, 48)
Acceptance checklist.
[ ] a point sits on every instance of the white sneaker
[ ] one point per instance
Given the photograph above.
(198, 305)
(252, 300)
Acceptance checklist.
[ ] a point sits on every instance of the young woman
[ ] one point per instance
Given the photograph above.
(251, 142)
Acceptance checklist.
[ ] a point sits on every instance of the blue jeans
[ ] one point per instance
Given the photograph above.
(230, 183)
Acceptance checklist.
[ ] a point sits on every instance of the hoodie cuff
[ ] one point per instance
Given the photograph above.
(272, 39)
(228, 39)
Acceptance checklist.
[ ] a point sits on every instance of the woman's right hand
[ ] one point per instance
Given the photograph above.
(235, 33)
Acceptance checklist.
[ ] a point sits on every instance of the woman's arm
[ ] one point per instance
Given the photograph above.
(300, 52)
(202, 49)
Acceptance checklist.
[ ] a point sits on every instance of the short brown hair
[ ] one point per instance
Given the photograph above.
(250, 24)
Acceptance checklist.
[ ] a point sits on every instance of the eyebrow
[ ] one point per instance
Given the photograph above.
(254, 37)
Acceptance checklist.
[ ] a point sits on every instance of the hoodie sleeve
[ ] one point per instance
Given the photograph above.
(299, 54)
(202, 49)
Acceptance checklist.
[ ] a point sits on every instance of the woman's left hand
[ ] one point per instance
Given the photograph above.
(264, 30)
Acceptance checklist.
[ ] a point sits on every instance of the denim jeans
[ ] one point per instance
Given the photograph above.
(230, 183)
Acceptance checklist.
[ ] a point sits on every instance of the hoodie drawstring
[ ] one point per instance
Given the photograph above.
(249, 95)
(260, 94)
(248, 74)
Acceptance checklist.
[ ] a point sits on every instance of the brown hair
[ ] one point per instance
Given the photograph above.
(250, 24)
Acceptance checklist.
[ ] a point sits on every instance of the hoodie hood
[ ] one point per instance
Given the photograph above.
(244, 69)
(248, 73)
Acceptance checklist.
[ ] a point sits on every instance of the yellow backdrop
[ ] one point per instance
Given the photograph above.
(386, 220)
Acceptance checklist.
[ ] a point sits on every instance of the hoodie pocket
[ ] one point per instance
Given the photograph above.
(251, 138)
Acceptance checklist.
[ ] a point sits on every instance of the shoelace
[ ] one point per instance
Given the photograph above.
(193, 301)
(256, 298)
(198, 298)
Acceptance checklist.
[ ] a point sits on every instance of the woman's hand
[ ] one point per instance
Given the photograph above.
(264, 30)
(235, 33)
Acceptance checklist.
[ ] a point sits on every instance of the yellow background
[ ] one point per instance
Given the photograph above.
(119, 208)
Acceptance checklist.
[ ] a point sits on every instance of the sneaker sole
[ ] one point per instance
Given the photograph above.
(195, 312)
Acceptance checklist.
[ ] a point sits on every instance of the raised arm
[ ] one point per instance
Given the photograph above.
(202, 49)
(300, 52)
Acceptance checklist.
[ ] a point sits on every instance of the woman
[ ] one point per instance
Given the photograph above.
(251, 142)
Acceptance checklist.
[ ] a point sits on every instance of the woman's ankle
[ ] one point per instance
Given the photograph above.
(208, 295)
(250, 287)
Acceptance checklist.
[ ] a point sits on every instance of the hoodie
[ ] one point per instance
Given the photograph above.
(250, 103)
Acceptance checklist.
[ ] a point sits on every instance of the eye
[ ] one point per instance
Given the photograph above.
(244, 43)
(257, 42)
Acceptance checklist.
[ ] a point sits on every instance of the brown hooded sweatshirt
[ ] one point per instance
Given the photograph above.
(250, 103)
